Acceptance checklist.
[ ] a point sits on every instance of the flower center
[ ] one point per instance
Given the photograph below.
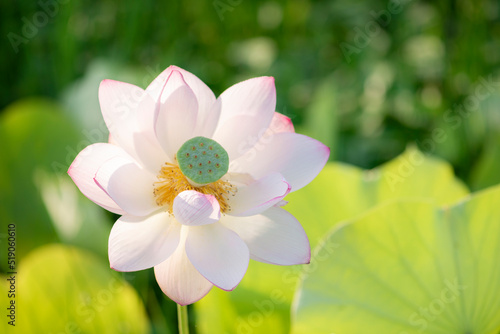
(202, 160)
(201, 164)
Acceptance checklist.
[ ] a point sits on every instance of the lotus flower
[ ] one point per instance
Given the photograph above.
(199, 182)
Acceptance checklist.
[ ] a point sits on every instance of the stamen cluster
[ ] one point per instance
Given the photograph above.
(171, 182)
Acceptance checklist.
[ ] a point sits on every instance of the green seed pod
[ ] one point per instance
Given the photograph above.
(202, 160)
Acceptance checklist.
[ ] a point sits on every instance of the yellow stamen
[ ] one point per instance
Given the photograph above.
(171, 182)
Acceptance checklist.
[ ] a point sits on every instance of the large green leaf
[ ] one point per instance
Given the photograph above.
(63, 289)
(407, 267)
(261, 302)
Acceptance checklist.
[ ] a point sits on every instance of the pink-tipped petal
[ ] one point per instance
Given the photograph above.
(176, 118)
(208, 113)
(247, 109)
(156, 87)
(204, 95)
(192, 208)
(84, 168)
(137, 243)
(280, 123)
(274, 236)
(130, 186)
(297, 157)
(259, 195)
(179, 279)
(281, 203)
(218, 254)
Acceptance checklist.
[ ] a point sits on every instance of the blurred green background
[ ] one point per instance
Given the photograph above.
(367, 78)
(366, 84)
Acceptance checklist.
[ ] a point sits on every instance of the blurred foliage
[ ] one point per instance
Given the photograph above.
(370, 79)
(79, 294)
(407, 267)
(485, 172)
(38, 196)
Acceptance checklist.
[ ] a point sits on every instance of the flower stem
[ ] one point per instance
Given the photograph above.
(182, 319)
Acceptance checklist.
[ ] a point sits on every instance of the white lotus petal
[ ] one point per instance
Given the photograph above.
(297, 157)
(247, 109)
(179, 279)
(280, 123)
(259, 195)
(193, 208)
(138, 243)
(128, 185)
(218, 254)
(84, 168)
(274, 236)
(129, 112)
(176, 118)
